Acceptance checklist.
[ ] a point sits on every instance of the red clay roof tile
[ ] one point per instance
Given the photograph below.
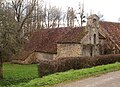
(74, 35)
(113, 29)
(46, 40)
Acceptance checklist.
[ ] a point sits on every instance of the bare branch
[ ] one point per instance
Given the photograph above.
(27, 15)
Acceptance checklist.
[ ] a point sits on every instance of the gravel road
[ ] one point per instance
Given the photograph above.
(107, 80)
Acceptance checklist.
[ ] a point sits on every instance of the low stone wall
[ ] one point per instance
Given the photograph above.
(34, 57)
(44, 56)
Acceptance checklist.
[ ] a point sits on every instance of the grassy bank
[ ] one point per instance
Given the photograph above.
(71, 75)
(20, 75)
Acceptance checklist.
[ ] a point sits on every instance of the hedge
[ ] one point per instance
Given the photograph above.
(63, 64)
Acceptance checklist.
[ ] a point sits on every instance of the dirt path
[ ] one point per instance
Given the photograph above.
(108, 80)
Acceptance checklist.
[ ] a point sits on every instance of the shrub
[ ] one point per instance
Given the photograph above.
(45, 67)
(106, 59)
(63, 64)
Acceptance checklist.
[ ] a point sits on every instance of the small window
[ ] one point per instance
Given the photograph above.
(94, 20)
(91, 51)
(94, 38)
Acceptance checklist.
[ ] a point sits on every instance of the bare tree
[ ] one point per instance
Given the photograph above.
(64, 18)
(12, 24)
(8, 42)
(81, 15)
(41, 17)
(70, 17)
(54, 16)
(19, 8)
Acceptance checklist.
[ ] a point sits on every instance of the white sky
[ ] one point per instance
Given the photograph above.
(109, 8)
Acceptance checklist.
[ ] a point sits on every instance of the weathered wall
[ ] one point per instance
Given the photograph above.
(44, 56)
(86, 51)
(90, 43)
(38, 56)
(93, 30)
(34, 57)
(91, 40)
(90, 50)
(68, 50)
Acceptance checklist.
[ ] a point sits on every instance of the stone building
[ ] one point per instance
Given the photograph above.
(96, 38)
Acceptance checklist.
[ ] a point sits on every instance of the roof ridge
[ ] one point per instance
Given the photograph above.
(110, 22)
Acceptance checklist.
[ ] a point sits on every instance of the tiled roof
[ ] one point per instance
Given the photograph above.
(22, 55)
(45, 40)
(113, 29)
(74, 35)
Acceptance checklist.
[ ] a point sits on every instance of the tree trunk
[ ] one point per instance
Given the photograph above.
(1, 74)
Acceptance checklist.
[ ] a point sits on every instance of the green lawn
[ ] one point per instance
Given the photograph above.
(15, 74)
(26, 75)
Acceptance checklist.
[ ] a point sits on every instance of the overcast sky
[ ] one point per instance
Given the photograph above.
(109, 8)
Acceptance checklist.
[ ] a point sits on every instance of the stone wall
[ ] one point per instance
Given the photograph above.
(38, 56)
(44, 56)
(68, 50)
(86, 50)
(35, 57)
(90, 50)
(91, 40)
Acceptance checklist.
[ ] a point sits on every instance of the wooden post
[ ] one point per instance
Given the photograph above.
(1, 74)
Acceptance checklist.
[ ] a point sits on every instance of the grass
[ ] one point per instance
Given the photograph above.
(14, 74)
(30, 72)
